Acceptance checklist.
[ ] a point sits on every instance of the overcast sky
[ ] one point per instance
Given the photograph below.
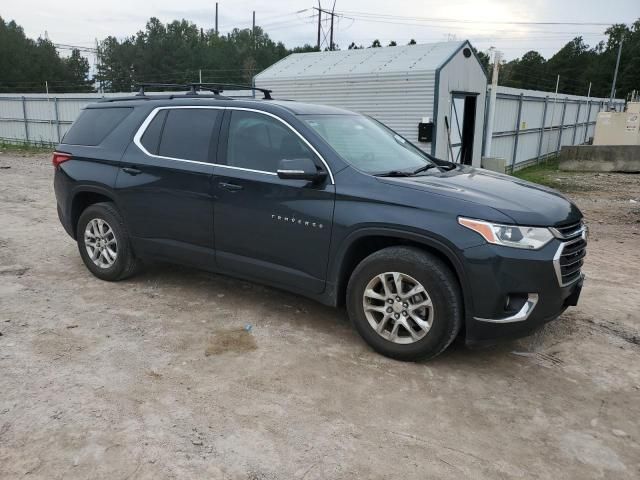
(486, 23)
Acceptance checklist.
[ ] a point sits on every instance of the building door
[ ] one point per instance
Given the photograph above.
(462, 125)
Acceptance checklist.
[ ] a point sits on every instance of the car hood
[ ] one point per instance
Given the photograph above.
(524, 202)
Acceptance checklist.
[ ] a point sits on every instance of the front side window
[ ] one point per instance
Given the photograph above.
(259, 142)
(366, 144)
(190, 134)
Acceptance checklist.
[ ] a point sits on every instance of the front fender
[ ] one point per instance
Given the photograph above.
(440, 246)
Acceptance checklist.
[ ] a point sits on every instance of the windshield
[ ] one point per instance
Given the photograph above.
(367, 144)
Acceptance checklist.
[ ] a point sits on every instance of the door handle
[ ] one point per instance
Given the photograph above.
(230, 186)
(131, 170)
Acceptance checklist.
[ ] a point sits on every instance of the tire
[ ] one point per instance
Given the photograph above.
(109, 267)
(434, 315)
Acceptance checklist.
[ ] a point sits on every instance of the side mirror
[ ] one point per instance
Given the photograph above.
(300, 169)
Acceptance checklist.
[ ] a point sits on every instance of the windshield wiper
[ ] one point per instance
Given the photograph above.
(404, 173)
(424, 168)
(394, 173)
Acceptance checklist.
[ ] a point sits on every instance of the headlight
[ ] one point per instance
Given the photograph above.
(532, 238)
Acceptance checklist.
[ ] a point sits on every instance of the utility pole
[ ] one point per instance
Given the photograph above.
(319, 9)
(216, 18)
(615, 75)
(553, 112)
(100, 90)
(253, 29)
(588, 119)
(332, 14)
(492, 104)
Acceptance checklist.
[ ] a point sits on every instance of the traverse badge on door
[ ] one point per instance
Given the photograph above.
(298, 221)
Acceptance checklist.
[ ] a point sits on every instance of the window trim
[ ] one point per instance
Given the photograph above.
(143, 127)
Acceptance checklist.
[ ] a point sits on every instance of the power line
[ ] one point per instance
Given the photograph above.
(272, 19)
(449, 28)
(453, 20)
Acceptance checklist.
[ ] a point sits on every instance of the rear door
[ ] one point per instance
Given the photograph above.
(164, 184)
(265, 227)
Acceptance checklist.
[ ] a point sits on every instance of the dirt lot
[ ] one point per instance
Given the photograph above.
(155, 378)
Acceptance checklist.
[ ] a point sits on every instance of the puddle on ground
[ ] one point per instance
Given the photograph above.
(234, 340)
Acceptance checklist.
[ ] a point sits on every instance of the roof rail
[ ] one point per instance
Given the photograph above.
(233, 86)
(194, 88)
(186, 86)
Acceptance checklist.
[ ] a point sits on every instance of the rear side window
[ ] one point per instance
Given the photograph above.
(151, 138)
(94, 124)
(190, 134)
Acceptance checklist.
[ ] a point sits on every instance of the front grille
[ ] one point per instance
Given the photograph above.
(568, 231)
(569, 260)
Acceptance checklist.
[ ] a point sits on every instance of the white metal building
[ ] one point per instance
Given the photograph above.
(440, 83)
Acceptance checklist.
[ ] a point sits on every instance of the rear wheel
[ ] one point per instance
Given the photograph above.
(103, 242)
(405, 303)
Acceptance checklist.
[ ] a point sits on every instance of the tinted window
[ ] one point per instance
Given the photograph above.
(366, 144)
(259, 142)
(94, 124)
(188, 133)
(151, 137)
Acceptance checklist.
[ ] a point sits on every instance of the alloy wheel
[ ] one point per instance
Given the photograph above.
(100, 242)
(398, 307)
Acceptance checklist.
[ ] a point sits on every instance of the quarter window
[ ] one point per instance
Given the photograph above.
(259, 142)
(151, 137)
(94, 125)
(190, 134)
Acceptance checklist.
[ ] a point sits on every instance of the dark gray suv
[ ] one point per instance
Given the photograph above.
(322, 202)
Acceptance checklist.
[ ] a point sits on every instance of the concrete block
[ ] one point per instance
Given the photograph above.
(600, 158)
(494, 164)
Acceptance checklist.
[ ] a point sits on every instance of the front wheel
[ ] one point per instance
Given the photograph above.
(103, 242)
(405, 303)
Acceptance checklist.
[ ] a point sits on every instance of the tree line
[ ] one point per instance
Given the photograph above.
(180, 52)
(580, 65)
(26, 64)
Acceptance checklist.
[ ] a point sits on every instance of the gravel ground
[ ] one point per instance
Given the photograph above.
(154, 377)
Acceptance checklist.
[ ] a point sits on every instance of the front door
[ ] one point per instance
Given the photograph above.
(462, 125)
(265, 227)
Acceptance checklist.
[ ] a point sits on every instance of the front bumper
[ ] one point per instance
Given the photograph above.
(514, 292)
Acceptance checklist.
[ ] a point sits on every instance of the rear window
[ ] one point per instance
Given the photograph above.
(189, 133)
(94, 124)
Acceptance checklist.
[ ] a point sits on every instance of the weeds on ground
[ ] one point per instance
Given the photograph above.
(24, 148)
(547, 173)
(544, 173)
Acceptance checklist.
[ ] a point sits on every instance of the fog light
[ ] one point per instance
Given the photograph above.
(514, 302)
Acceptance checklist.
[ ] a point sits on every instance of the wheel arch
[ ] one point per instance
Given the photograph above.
(83, 198)
(363, 243)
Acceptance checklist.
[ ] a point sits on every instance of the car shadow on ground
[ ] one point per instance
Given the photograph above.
(235, 294)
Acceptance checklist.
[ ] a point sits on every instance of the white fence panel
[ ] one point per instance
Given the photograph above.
(567, 120)
(44, 119)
